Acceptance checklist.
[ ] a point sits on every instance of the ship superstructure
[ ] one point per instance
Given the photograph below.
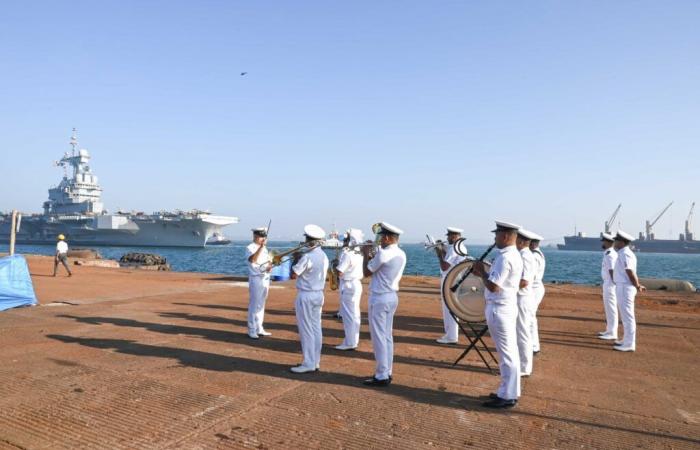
(75, 209)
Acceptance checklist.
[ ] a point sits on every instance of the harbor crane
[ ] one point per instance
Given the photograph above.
(649, 226)
(609, 222)
(689, 224)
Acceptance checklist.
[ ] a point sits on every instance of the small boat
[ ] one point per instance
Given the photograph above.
(332, 241)
(218, 239)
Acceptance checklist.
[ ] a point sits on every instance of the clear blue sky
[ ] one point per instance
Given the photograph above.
(423, 114)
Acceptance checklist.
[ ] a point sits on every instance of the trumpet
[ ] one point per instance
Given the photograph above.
(439, 246)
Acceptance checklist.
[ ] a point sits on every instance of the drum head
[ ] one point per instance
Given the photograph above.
(467, 302)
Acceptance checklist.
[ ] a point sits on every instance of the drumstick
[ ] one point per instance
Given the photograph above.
(469, 271)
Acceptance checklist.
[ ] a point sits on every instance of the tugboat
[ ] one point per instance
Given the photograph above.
(218, 239)
(75, 209)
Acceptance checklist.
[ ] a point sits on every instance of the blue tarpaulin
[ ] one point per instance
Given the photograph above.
(16, 287)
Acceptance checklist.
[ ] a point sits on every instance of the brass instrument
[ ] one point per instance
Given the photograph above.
(303, 247)
(439, 246)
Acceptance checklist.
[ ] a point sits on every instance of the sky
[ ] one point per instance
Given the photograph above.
(422, 114)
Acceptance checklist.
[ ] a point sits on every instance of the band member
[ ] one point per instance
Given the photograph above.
(310, 272)
(526, 303)
(537, 288)
(609, 298)
(448, 258)
(626, 287)
(501, 295)
(386, 269)
(350, 275)
(258, 282)
(61, 255)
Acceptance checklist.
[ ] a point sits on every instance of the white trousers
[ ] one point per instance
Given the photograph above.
(450, 325)
(538, 295)
(382, 308)
(610, 305)
(350, 294)
(526, 314)
(308, 307)
(625, 294)
(258, 288)
(502, 320)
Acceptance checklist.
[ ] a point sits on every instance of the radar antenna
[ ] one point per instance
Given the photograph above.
(74, 141)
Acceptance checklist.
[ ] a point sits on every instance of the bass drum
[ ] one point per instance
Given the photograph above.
(467, 302)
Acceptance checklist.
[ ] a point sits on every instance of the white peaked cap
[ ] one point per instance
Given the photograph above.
(454, 230)
(505, 226)
(390, 228)
(314, 231)
(607, 237)
(527, 234)
(625, 236)
(356, 236)
(535, 236)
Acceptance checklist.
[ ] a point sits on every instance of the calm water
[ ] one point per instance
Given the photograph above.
(562, 265)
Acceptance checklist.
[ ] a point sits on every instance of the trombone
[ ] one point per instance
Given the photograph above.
(280, 258)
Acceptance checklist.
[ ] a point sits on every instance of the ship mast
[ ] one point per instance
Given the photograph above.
(610, 221)
(73, 141)
(689, 224)
(649, 226)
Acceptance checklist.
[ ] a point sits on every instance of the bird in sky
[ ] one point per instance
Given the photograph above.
(244, 73)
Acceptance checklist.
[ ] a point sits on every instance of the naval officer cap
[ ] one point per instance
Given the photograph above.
(622, 236)
(454, 230)
(314, 232)
(260, 231)
(505, 226)
(387, 228)
(526, 234)
(535, 236)
(607, 237)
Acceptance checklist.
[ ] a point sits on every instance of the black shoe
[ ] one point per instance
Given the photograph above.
(375, 382)
(499, 403)
(493, 396)
(337, 316)
(536, 353)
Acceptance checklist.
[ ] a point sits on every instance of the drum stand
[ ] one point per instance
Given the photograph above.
(478, 330)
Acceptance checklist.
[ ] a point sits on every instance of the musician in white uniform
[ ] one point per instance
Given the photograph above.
(537, 288)
(501, 294)
(386, 269)
(626, 287)
(310, 272)
(608, 284)
(350, 275)
(259, 268)
(449, 258)
(526, 303)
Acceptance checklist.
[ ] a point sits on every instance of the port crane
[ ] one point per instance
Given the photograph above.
(689, 224)
(650, 225)
(609, 222)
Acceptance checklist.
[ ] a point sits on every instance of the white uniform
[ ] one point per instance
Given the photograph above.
(625, 292)
(501, 317)
(311, 272)
(387, 268)
(538, 295)
(258, 286)
(609, 297)
(350, 265)
(526, 312)
(450, 325)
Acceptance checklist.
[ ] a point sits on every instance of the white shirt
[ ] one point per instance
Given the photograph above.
(529, 269)
(62, 247)
(257, 268)
(540, 264)
(506, 271)
(350, 265)
(311, 270)
(387, 268)
(609, 260)
(626, 259)
(451, 258)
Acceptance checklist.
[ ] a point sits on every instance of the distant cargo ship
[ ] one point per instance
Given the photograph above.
(75, 210)
(647, 242)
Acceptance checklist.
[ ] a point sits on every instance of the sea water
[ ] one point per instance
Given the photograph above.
(562, 265)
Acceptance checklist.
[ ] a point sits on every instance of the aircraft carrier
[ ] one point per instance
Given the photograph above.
(75, 209)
